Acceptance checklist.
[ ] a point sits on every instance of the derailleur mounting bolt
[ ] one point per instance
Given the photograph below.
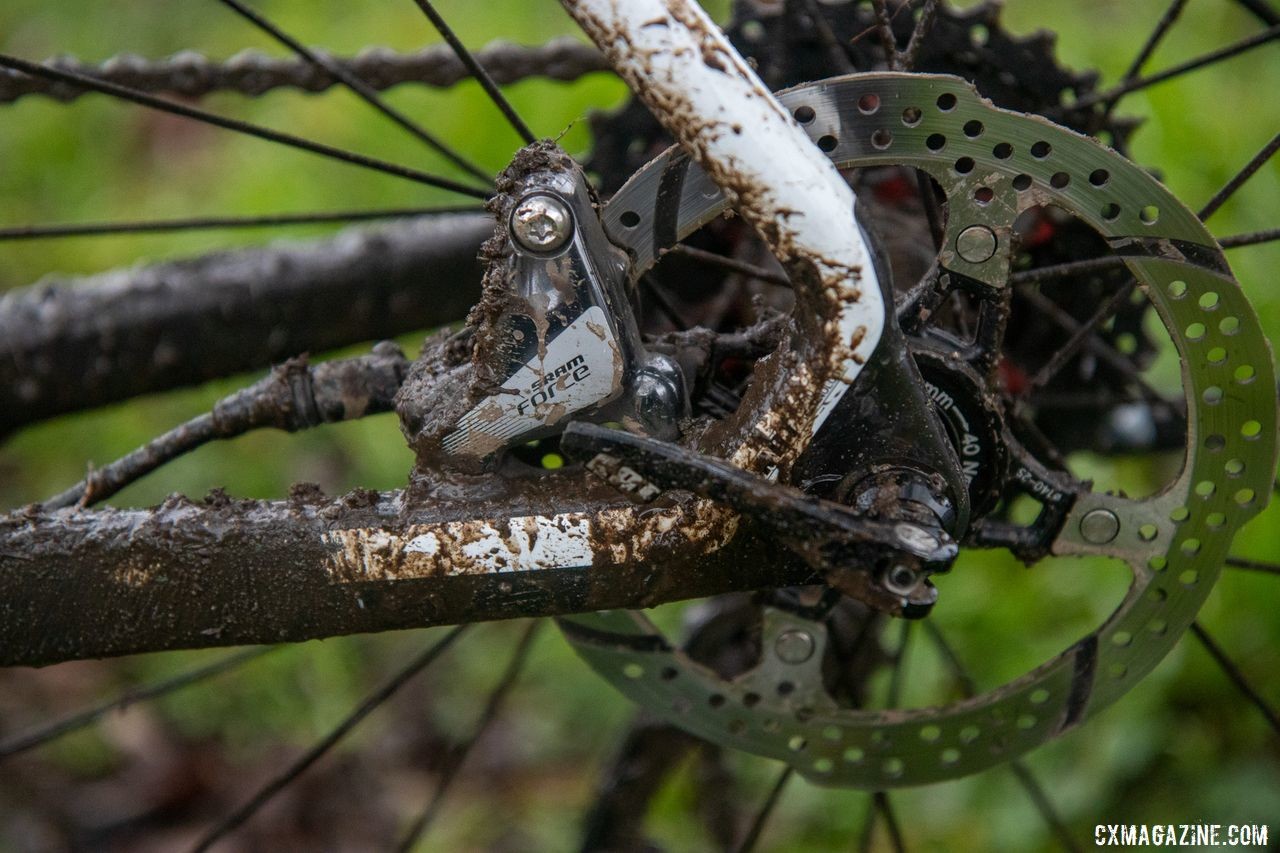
(794, 646)
(541, 222)
(1099, 526)
(976, 244)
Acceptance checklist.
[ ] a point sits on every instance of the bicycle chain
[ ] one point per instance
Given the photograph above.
(191, 75)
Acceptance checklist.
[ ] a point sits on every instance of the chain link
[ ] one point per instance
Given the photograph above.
(192, 75)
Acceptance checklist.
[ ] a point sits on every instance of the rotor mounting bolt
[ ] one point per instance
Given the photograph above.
(794, 646)
(976, 244)
(1099, 526)
(541, 223)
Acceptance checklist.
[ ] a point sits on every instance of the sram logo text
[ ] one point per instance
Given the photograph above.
(545, 388)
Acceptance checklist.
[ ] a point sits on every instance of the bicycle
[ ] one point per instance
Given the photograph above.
(398, 578)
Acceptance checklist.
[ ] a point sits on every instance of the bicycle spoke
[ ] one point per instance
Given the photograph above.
(1043, 804)
(841, 62)
(969, 689)
(1085, 330)
(1066, 269)
(492, 706)
(280, 138)
(884, 28)
(1253, 565)
(1166, 21)
(766, 809)
(1115, 360)
(928, 14)
(362, 89)
(208, 223)
(1211, 58)
(477, 71)
(88, 716)
(1262, 10)
(880, 804)
(1237, 677)
(1238, 181)
(1252, 239)
(725, 262)
(376, 699)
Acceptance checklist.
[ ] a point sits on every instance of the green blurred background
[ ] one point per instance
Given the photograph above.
(1182, 747)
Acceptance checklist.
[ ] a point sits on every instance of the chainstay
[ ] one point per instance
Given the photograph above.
(251, 73)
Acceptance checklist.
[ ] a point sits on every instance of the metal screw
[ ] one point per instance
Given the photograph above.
(1099, 526)
(541, 223)
(976, 244)
(794, 646)
(900, 579)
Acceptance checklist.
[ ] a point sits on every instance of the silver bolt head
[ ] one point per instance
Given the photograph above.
(1099, 526)
(976, 244)
(541, 223)
(794, 646)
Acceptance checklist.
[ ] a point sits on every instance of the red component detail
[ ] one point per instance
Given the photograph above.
(1042, 232)
(895, 190)
(1013, 378)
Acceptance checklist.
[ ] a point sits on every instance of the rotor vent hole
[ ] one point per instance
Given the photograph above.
(1229, 325)
(881, 139)
(797, 743)
(1121, 639)
(1059, 180)
(823, 766)
(930, 734)
(1179, 515)
(1251, 429)
(785, 688)
(1244, 374)
(1022, 183)
(1148, 532)
(950, 755)
(973, 128)
(1190, 547)
(1026, 722)
(853, 755)
(1212, 395)
(1003, 151)
(715, 700)
(1150, 214)
(828, 143)
(1039, 696)
(1177, 289)
(969, 734)
(1110, 211)
(1234, 467)
(1157, 627)
(669, 673)
(1209, 300)
(1196, 331)
(1189, 578)
(1117, 671)
(750, 700)
(831, 733)
(984, 195)
(1244, 497)
(1040, 150)
(893, 767)
(935, 142)
(805, 114)
(912, 116)
(1217, 355)
(946, 102)
(1215, 442)
(964, 165)
(869, 104)
(1099, 177)
(629, 219)
(1215, 520)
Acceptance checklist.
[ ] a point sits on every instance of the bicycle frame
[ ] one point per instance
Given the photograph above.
(77, 583)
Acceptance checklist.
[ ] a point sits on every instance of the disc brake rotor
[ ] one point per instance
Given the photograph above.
(992, 165)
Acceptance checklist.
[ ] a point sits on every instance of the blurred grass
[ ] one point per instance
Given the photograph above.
(1182, 747)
